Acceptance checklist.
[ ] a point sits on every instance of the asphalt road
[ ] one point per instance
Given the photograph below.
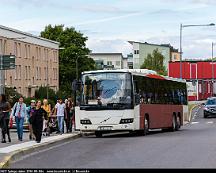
(194, 146)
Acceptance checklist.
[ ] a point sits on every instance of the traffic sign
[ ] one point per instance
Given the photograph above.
(7, 62)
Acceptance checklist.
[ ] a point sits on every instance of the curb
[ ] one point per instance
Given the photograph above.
(190, 116)
(17, 154)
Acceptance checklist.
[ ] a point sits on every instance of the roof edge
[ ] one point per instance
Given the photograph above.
(28, 34)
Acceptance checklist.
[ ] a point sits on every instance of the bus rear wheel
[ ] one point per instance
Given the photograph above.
(146, 126)
(98, 134)
(173, 128)
(178, 123)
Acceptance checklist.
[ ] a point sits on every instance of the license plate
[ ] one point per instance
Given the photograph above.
(105, 128)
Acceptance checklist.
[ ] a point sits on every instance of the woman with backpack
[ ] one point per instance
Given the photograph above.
(20, 112)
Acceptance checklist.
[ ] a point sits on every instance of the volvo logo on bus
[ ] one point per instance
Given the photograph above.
(105, 120)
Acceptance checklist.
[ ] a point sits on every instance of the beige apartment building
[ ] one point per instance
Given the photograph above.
(37, 62)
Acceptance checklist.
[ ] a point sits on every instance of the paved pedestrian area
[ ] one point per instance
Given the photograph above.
(15, 144)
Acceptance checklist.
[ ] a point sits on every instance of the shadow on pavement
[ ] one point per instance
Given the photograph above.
(132, 134)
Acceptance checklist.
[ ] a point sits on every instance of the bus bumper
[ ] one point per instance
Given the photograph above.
(118, 127)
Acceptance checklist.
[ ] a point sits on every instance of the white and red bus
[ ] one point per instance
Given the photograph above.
(130, 100)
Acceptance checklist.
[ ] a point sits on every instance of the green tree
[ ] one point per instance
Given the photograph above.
(154, 62)
(41, 93)
(12, 95)
(74, 54)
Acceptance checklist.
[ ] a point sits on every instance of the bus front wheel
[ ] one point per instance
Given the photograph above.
(98, 134)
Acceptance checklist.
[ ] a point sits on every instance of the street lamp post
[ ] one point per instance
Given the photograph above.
(181, 28)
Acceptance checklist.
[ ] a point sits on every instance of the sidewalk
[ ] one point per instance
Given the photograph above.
(12, 151)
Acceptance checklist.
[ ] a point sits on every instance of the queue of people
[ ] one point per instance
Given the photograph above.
(41, 118)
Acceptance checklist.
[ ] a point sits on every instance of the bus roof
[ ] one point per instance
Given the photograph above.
(138, 72)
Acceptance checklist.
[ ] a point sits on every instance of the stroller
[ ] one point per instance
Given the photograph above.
(52, 125)
(45, 131)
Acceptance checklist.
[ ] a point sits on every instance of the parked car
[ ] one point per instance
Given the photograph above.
(209, 108)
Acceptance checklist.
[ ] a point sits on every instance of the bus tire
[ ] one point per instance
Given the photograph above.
(146, 126)
(178, 123)
(98, 134)
(173, 128)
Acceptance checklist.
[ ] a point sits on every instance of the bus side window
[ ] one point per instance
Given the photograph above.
(136, 93)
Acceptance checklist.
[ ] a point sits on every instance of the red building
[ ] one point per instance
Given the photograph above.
(199, 75)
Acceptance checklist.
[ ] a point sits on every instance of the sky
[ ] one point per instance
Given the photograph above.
(110, 24)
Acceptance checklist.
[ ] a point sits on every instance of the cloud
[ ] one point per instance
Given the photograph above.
(207, 2)
(110, 18)
(106, 9)
(23, 3)
(109, 46)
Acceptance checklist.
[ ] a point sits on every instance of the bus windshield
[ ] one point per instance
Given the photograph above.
(107, 89)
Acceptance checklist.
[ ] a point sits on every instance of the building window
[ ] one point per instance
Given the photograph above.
(37, 52)
(55, 56)
(16, 71)
(5, 47)
(33, 61)
(1, 41)
(109, 62)
(55, 77)
(46, 54)
(29, 73)
(20, 72)
(45, 73)
(15, 48)
(26, 51)
(40, 73)
(26, 72)
(19, 50)
(29, 51)
(136, 51)
(37, 71)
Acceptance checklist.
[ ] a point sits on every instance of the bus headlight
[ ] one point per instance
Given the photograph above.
(85, 122)
(125, 121)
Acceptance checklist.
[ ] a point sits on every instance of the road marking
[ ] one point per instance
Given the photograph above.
(209, 122)
(195, 122)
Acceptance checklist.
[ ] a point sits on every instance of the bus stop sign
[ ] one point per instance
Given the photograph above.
(7, 62)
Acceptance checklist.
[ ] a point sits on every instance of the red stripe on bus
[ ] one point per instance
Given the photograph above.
(155, 76)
